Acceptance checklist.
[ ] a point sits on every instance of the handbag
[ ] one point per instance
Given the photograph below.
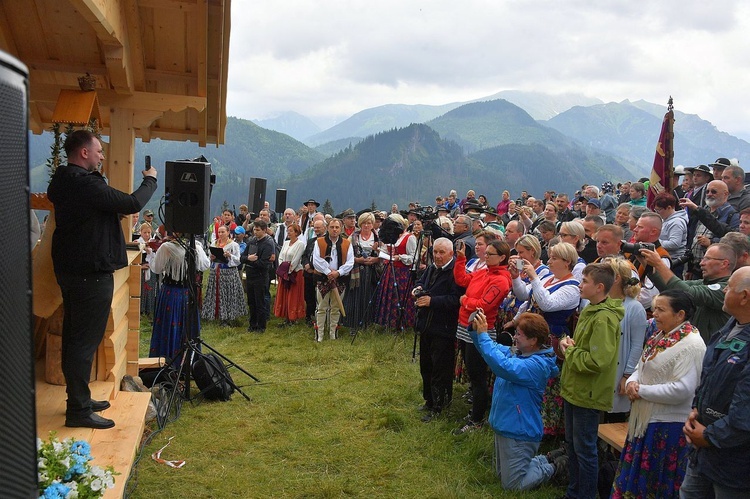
(282, 271)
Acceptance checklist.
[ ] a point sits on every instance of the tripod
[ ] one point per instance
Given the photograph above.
(192, 342)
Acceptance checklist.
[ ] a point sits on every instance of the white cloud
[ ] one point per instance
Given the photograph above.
(337, 57)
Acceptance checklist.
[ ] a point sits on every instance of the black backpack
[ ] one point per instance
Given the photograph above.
(212, 377)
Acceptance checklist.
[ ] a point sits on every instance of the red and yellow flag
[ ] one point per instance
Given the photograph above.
(662, 173)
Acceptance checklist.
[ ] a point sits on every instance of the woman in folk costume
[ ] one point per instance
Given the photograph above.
(224, 299)
(395, 307)
(358, 300)
(172, 303)
(149, 280)
(290, 291)
(556, 297)
(654, 459)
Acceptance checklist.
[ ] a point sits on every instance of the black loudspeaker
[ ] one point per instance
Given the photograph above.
(257, 198)
(187, 196)
(17, 392)
(280, 200)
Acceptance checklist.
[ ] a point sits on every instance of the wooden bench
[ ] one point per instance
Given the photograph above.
(614, 434)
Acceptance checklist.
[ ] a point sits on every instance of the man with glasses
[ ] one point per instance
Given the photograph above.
(462, 232)
(714, 221)
(707, 293)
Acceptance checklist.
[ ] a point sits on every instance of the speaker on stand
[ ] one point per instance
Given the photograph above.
(187, 196)
(280, 202)
(257, 197)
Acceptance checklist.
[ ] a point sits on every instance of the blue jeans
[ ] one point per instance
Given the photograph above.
(697, 486)
(517, 464)
(581, 432)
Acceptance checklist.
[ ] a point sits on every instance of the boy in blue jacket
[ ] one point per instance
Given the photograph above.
(515, 415)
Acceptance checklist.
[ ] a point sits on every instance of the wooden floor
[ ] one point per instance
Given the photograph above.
(116, 446)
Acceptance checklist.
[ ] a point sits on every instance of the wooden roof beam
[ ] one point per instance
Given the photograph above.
(138, 100)
(137, 59)
(108, 22)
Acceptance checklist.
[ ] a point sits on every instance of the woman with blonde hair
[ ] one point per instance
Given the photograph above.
(556, 298)
(632, 332)
(393, 297)
(574, 233)
(363, 277)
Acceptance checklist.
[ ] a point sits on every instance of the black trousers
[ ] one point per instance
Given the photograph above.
(256, 301)
(87, 300)
(437, 355)
(478, 377)
(310, 298)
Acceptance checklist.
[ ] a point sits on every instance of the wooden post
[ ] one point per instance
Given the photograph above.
(119, 164)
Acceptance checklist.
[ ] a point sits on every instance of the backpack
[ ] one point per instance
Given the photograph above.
(212, 377)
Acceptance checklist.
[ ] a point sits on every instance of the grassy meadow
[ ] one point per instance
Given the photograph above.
(327, 420)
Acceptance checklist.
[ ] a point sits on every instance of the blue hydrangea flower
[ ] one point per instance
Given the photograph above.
(56, 491)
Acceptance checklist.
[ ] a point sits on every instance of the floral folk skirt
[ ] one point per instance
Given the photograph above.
(169, 321)
(389, 297)
(225, 296)
(653, 465)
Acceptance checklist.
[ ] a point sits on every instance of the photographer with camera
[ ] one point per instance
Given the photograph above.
(707, 293)
(646, 233)
(437, 297)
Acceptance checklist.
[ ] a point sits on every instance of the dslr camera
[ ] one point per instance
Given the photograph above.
(635, 248)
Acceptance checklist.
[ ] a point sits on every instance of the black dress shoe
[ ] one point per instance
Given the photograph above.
(91, 421)
(99, 405)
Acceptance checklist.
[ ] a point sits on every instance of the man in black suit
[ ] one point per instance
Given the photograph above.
(438, 300)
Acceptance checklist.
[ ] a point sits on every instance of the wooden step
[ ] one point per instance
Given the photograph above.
(50, 409)
(118, 446)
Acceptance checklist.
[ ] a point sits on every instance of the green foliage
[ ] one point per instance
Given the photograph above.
(331, 419)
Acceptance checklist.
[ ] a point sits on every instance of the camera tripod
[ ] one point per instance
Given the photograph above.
(192, 343)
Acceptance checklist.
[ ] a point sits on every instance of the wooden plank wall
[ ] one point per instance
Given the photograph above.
(118, 352)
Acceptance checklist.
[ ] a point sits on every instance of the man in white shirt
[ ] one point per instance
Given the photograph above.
(333, 260)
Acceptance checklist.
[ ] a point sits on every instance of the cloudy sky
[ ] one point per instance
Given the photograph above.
(330, 59)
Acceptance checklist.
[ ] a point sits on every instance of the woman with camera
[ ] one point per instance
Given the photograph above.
(485, 289)
(556, 298)
(515, 416)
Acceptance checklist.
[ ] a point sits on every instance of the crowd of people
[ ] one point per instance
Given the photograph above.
(585, 309)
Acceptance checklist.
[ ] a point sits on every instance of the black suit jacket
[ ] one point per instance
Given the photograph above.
(441, 317)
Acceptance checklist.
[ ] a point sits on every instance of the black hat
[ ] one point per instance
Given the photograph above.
(699, 168)
(311, 200)
(473, 205)
(720, 163)
(490, 210)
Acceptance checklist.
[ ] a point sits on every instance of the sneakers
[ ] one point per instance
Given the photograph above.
(560, 476)
(468, 428)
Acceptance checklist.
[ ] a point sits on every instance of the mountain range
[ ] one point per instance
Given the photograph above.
(399, 153)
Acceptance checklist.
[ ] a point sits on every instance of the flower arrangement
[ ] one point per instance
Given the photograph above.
(64, 471)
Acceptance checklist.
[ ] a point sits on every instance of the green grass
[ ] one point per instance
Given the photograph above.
(328, 420)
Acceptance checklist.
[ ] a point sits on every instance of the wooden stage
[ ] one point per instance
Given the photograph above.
(116, 446)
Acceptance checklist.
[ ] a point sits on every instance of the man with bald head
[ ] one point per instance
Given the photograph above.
(718, 426)
(707, 293)
(715, 220)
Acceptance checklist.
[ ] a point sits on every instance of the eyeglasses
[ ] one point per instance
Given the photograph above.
(712, 258)
(562, 234)
(486, 253)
